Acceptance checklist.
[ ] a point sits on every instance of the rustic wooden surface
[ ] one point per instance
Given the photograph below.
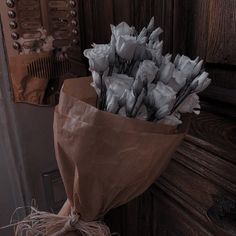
(201, 176)
(222, 32)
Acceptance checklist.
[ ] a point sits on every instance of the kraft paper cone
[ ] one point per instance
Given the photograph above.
(105, 161)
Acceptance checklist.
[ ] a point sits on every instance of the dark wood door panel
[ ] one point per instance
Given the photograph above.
(197, 28)
(222, 32)
(218, 131)
(174, 219)
(97, 15)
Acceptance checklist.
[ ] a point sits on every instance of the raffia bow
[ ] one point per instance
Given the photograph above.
(39, 223)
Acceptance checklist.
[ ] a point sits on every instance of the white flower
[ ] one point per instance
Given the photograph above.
(122, 112)
(112, 102)
(145, 75)
(117, 87)
(173, 120)
(201, 82)
(156, 52)
(163, 95)
(166, 59)
(190, 68)
(118, 83)
(177, 81)
(151, 24)
(197, 69)
(147, 71)
(154, 37)
(139, 102)
(124, 97)
(142, 113)
(126, 46)
(142, 37)
(166, 72)
(190, 105)
(122, 29)
(163, 111)
(131, 99)
(98, 57)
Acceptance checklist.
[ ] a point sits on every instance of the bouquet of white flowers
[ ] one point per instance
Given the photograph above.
(106, 159)
(132, 77)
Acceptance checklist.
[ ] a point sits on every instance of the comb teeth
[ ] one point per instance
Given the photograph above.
(48, 68)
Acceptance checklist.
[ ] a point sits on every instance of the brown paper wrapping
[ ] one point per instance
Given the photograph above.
(106, 160)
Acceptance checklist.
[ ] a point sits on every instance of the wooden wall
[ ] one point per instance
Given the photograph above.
(97, 15)
(193, 27)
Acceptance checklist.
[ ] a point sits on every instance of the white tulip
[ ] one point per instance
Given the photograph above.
(145, 75)
(112, 104)
(163, 95)
(156, 52)
(173, 120)
(142, 113)
(188, 67)
(123, 98)
(117, 87)
(126, 46)
(163, 111)
(201, 82)
(197, 69)
(98, 57)
(151, 24)
(142, 36)
(139, 102)
(166, 72)
(122, 29)
(99, 64)
(118, 83)
(190, 105)
(176, 61)
(154, 37)
(147, 71)
(181, 61)
(122, 112)
(177, 81)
